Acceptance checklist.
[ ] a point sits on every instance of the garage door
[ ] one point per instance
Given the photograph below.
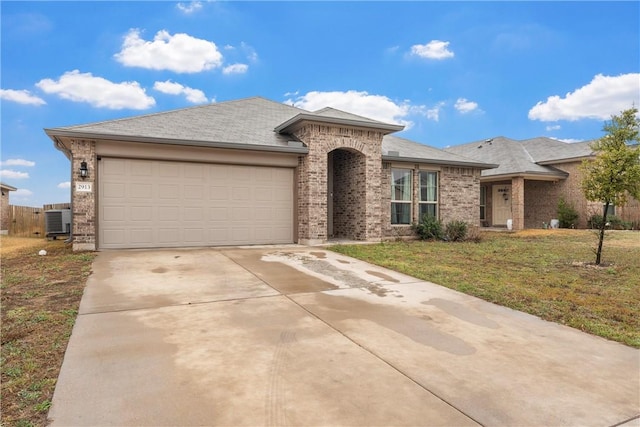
(153, 203)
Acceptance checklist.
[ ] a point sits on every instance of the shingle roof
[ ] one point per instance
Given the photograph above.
(246, 123)
(531, 156)
(547, 150)
(404, 149)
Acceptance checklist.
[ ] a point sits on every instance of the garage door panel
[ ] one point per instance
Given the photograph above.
(219, 193)
(219, 214)
(140, 191)
(114, 213)
(146, 203)
(240, 193)
(168, 236)
(113, 237)
(113, 190)
(141, 236)
(194, 192)
(141, 168)
(169, 191)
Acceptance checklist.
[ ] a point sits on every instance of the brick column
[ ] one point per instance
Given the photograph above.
(517, 202)
(83, 203)
(373, 212)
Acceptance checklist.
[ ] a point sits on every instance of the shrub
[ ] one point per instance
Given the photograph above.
(456, 231)
(567, 215)
(429, 228)
(615, 223)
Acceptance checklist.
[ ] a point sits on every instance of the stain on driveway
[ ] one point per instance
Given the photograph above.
(301, 336)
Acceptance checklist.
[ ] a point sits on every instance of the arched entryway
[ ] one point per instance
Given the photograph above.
(346, 188)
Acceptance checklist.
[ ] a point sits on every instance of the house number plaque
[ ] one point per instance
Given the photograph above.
(84, 187)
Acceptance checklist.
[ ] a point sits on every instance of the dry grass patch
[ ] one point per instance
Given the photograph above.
(40, 299)
(540, 272)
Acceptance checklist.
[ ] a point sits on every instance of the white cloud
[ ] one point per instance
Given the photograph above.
(235, 69)
(11, 174)
(249, 52)
(553, 127)
(189, 8)
(433, 113)
(600, 99)
(375, 107)
(465, 106)
(179, 53)
(21, 97)
(435, 49)
(97, 91)
(195, 96)
(66, 184)
(18, 162)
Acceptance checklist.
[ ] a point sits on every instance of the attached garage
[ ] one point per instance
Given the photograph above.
(158, 203)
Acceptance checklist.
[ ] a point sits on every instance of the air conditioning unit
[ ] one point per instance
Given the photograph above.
(57, 222)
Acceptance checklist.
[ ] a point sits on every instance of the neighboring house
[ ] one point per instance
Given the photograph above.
(254, 171)
(532, 176)
(5, 210)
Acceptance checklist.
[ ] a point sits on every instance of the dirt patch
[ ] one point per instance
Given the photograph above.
(40, 299)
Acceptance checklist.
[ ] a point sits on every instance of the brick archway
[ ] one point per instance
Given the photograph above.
(346, 186)
(350, 144)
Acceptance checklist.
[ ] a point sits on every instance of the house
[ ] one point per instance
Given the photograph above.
(532, 176)
(255, 171)
(5, 210)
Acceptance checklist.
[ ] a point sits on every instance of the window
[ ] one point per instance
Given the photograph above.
(429, 194)
(400, 196)
(483, 201)
(611, 211)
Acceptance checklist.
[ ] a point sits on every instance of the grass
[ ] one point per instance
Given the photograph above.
(40, 299)
(542, 272)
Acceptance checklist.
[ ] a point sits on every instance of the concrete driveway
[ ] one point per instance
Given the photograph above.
(305, 337)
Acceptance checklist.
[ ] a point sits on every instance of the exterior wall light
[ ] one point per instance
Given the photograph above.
(84, 172)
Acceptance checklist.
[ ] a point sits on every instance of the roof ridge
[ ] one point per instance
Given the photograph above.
(175, 110)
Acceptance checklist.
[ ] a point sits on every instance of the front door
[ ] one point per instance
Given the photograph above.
(501, 202)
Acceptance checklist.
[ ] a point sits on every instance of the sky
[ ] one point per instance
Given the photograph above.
(450, 72)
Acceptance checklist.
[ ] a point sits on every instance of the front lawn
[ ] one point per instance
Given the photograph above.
(541, 272)
(40, 299)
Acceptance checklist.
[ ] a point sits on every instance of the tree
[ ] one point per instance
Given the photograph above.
(614, 174)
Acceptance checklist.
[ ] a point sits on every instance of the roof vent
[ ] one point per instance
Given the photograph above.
(393, 153)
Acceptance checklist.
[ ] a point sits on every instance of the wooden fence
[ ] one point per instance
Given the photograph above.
(26, 221)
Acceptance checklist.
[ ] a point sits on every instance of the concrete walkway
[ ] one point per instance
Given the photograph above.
(301, 336)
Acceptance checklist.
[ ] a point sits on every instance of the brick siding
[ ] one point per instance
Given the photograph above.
(363, 149)
(361, 188)
(459, 197)
(84, 203)
(4, 211)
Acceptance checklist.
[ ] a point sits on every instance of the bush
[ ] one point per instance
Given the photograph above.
(615, 223)
(567, 215)
(456, 231)
(429, 228)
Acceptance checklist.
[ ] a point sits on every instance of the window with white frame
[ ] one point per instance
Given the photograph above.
(428, 194)
(401, 196)
(483, 202)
